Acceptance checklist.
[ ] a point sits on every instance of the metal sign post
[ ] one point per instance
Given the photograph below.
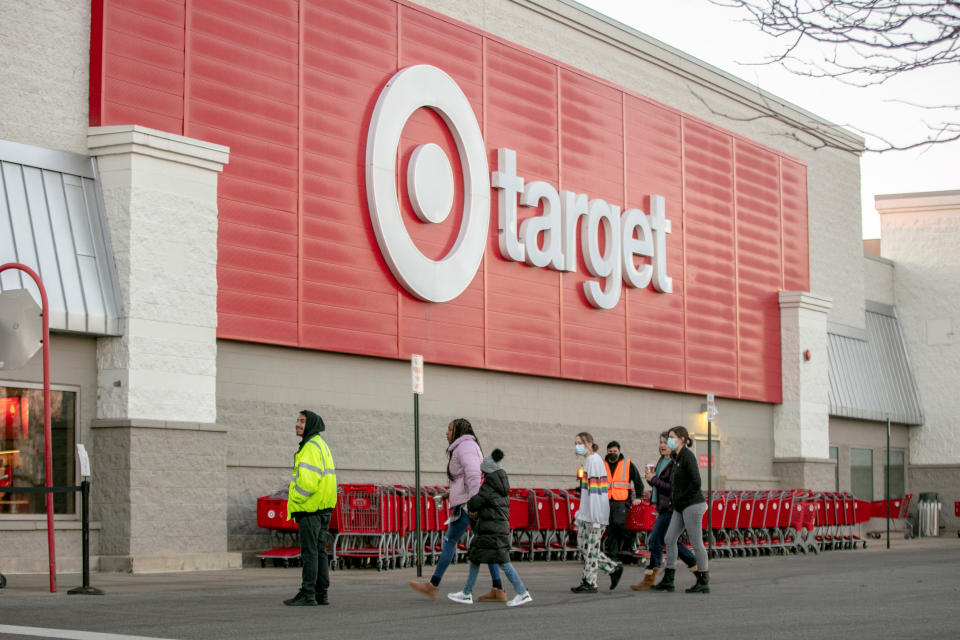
(416, 371)
(711, 416)
(84, 461)
(887, 474)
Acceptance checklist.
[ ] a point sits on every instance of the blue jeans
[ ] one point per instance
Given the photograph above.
(655, 543)
(508, 569)
(454, 532)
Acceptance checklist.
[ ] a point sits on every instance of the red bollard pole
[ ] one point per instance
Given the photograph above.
(47, 451)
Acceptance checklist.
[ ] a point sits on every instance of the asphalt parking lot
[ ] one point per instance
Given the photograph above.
(909, 591)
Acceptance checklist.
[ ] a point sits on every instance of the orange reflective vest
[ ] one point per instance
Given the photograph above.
(619, 480)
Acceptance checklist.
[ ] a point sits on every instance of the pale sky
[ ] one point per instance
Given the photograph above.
(718, 36)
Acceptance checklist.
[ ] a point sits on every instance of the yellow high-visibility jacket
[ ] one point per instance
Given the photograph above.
(314, 484)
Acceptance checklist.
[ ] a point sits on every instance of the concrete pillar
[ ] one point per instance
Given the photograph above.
(801, 434)
(159, 457)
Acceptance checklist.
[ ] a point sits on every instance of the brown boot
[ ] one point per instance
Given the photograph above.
(649, 577)
(494, 595)
(425, 588)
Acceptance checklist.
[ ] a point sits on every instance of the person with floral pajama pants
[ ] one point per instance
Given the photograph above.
(592, 517)
(594, 560)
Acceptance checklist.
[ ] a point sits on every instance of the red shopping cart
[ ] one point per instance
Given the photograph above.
(877, 525)
(272, 515)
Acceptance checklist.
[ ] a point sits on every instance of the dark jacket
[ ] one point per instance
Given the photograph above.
(491, 541)
(685, 480)
(663, 485)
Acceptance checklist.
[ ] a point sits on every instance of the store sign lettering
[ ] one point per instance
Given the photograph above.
(546, 241)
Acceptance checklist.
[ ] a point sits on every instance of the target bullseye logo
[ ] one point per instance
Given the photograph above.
(430, 183)
(631, 250)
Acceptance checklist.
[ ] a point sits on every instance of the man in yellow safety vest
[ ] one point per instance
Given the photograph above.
(311, 497)
(623, 481)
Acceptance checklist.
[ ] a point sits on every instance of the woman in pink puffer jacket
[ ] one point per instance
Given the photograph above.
(463, 469)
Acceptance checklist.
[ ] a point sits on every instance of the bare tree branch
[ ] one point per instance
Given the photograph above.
(867, 42)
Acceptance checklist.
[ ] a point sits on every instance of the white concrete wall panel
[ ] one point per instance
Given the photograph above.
(160, 200)
(920, 235)
(45, 49)
(878, 277)
(801, 423)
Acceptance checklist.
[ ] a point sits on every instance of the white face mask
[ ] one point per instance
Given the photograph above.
(672, 444)
(581, 450)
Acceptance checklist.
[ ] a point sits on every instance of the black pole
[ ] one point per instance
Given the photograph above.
(86, 589)
(887, 474)
(416, 479)
(710, 488)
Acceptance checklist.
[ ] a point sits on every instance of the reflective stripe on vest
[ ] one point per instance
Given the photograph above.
(619, 480)
(317, 470)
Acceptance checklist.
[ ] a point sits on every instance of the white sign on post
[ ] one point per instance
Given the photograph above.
(84, 461)
(711, 407)
(416, 371)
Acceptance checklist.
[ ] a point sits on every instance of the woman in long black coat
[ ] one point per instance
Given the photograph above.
(491, 540)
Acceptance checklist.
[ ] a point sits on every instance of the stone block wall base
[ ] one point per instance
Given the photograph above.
(32, 564)
(944, 480)
(817, 474)
(164, 564)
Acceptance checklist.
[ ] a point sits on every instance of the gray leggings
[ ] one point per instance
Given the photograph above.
(690, 519)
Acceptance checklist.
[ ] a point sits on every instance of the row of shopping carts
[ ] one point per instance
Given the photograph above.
(375, 524)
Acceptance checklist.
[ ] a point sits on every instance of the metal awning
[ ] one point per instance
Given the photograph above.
(870, 374)
(51, 219)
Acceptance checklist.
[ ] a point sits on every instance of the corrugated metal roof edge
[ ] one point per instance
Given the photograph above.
(83, 168)
(906, 415)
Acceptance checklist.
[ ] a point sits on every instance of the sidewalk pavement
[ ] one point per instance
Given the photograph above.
(38, 584)
(909, 591)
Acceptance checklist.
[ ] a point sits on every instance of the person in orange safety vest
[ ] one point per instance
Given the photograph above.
(623, 479)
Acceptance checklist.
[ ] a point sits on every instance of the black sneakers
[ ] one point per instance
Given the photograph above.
(615, 577)
(584, 587)
(301, 600)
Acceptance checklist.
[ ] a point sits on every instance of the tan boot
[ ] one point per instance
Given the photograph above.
(649, 577)
(494, 595)
(425, 588)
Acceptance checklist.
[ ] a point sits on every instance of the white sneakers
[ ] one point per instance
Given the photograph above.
(466, 598)
(519, 599)
(461, 597)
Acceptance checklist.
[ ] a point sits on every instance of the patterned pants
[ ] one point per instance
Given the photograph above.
(588, 542)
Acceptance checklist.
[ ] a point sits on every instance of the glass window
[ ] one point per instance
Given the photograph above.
(897, 484)
(834, 455)
(22, 448)
(861, 473)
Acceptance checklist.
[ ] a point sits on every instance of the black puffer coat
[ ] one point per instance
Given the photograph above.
(491, 541)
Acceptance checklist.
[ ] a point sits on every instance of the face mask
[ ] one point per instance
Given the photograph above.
(581, 450)
(672, 444)
(611, 458)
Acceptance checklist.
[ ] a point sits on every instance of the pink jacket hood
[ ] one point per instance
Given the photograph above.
(465, 459)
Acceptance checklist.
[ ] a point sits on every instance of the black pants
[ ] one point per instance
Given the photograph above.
(313, 551)
(618, 537)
